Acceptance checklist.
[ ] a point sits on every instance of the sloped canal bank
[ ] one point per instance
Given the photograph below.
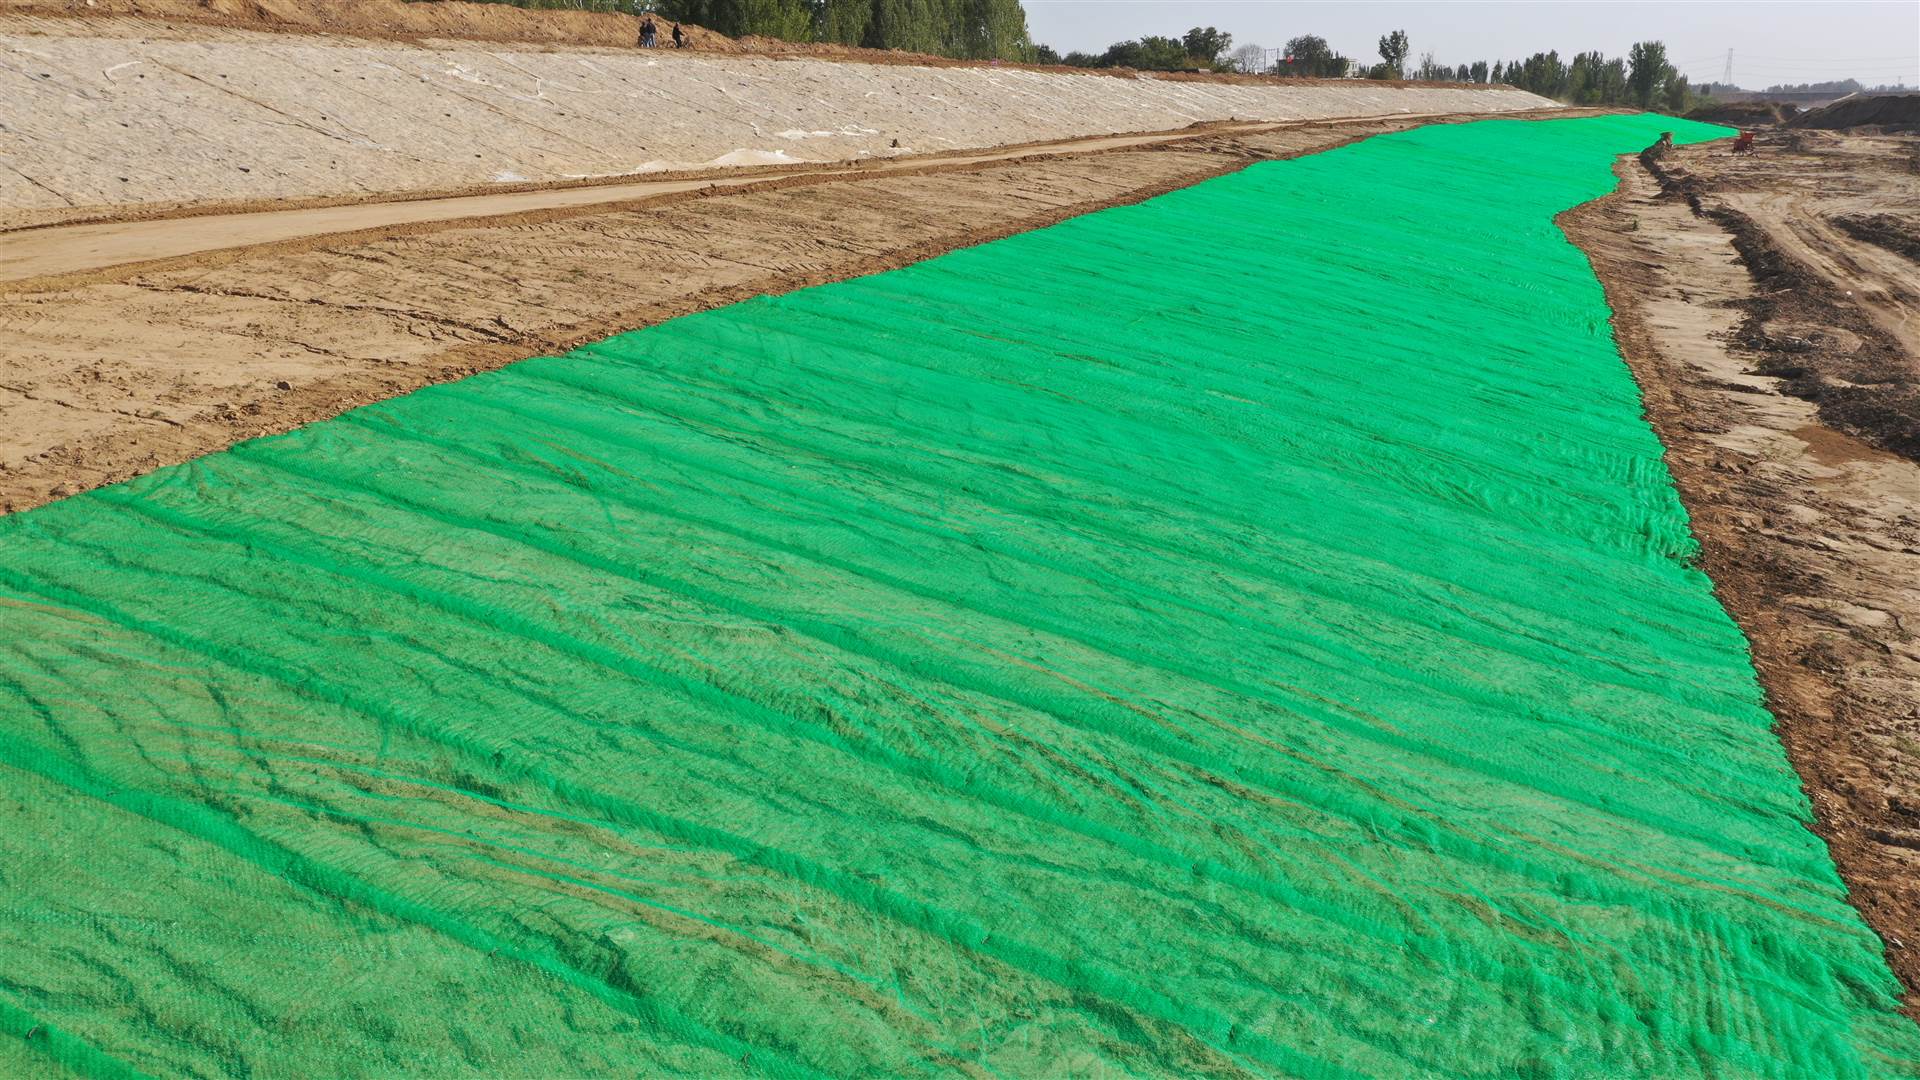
(1250, 631)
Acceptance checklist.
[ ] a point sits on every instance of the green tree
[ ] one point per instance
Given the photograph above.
(993, 29)
(843, 21)
(1583, 78)
(1312, 56)
(1206, 44)
(1478, 72)
(1679, 95)
(911, 25)
(1393, 53)
(1647, 72)
(1544, 74)
(1149, 53)
(1613, 82)
(790, 20)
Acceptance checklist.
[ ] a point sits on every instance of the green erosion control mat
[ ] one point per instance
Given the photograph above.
(1248, 632)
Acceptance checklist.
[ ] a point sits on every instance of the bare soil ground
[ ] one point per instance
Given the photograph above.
(1819, 216)
(1777, 362)
(143, 367)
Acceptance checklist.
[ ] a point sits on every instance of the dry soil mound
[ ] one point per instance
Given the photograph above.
(1894, 112)
(1745, 113)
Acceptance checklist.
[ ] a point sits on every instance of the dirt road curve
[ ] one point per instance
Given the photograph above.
(60, 250)
(1765, 393)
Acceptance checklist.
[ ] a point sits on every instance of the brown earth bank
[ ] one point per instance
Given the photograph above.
(142, 367)
(1837, 314)
(1885, 112)
(1744, 113)
(1810, 531)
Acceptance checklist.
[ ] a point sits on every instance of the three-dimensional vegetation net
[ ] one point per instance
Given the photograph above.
(1251, 632)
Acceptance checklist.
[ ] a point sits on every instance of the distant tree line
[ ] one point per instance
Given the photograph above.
(966, 29)
(1643, 77)
(997, 29)
(1199, 49)
(1833, 86)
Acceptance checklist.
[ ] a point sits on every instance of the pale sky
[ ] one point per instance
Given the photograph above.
(1773, 41)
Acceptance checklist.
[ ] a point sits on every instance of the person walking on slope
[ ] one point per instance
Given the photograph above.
(649, 33)
(679, 39)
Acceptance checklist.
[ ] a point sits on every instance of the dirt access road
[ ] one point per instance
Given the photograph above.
(36, 258)
(1770, 341)
(139, 366)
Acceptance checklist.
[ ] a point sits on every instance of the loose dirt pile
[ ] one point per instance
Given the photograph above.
(1745, 113)
(1887, 112)
(107, 116)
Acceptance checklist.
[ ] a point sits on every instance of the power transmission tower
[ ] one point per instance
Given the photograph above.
(1727, 79)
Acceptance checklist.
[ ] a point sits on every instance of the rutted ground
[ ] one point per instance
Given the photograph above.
(106, 116)
(108, 380)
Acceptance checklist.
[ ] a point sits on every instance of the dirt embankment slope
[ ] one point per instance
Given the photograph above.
(1756, 337)
(1888, 112)
(146, 367)
(115, 115)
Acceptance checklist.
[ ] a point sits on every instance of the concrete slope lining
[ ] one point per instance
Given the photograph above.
(103, 121)
(35, 255)
(1247, 633)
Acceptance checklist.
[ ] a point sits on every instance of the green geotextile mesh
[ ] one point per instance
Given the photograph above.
(1251, 632)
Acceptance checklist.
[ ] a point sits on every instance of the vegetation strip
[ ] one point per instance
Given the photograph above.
(1247, 632)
